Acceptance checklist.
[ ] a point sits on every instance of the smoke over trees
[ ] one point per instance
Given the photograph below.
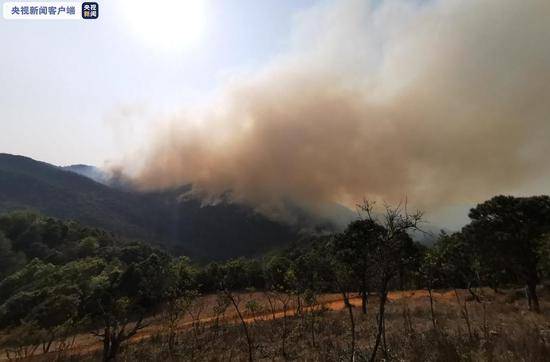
(443, 101)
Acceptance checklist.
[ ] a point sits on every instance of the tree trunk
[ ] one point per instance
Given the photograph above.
(106, 343)
(381, 311)
(432, 307)
(364, 295)
(364, 301)
(352, 325)
(313, 328)
(349, 307)
(465, 314)
(47, 344)
(532, 297)
(113, 350)
(283, 336)
(112, 338)
(245, 328)
(473, 293)
(171, 342)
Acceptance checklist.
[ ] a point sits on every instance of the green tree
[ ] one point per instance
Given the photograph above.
(16, 223)
(88, 247)
(46, 296)
(544, 257)
(460, 266)
(353, 248)
(10, 260)
(119, 299)
(277, 273)
(506, 232)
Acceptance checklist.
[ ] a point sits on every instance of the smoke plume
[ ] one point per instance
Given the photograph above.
(443, 101)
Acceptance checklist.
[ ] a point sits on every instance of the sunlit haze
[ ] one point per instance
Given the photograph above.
(442, 102)
(171, 25)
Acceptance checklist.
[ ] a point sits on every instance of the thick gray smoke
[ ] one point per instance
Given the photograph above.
(442, 101)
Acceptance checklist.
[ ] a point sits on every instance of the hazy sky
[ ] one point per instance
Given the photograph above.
(442, 101)
(63, 84)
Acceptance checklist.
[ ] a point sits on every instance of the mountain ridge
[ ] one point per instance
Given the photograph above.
(209, 232)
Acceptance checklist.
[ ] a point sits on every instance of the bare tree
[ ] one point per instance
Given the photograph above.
(345, 280)
(236, 302)
(312, 309)
(465, 313)
(391, 232)
(222, 303)
(195, 311)
(284, 299)
(173, 313)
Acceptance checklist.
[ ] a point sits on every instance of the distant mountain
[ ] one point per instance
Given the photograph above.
(204, 232)
(92, 172)
(114, 180)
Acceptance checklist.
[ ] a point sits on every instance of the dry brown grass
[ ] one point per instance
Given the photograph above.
(500, 329)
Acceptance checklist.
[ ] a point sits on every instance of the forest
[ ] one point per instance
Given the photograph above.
(368, 293)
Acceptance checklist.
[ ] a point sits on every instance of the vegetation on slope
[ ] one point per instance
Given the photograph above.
(60, 278)
(185, 226)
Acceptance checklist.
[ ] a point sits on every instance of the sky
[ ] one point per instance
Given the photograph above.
(64, 84)
(441, 102)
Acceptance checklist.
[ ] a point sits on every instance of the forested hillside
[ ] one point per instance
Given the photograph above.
(185, 226)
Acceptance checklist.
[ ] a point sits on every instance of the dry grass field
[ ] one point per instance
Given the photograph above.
(498, 329)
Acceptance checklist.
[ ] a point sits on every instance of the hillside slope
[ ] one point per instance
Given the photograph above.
(210, 232)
